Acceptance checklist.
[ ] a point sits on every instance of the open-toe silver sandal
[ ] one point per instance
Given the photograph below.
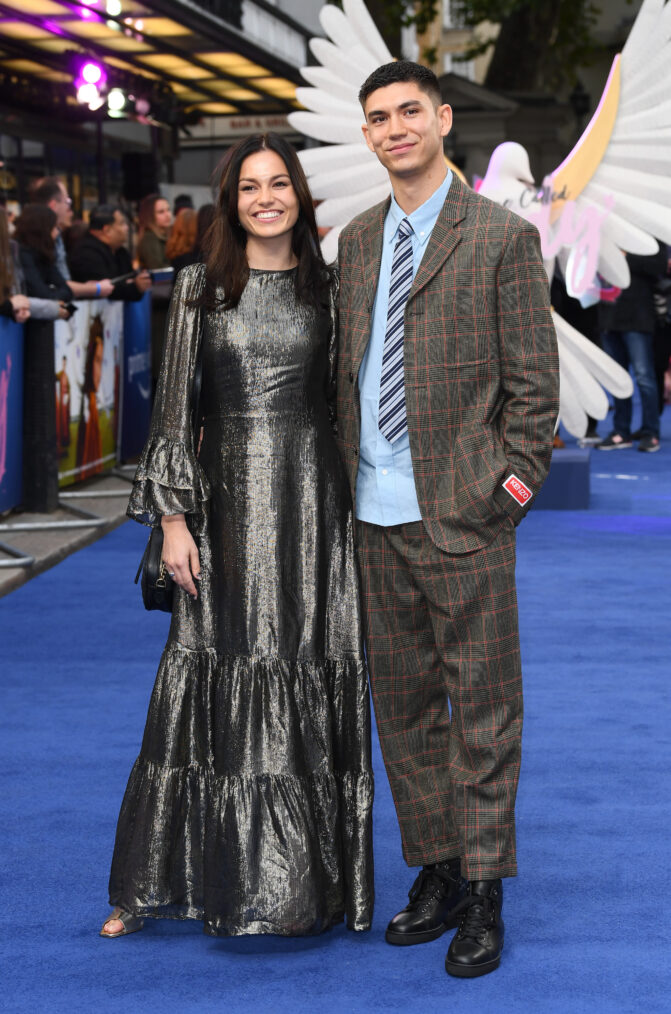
(131, 923)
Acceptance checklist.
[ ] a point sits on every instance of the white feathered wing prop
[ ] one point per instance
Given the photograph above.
(619, 174)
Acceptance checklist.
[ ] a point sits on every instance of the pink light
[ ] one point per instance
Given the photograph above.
(92, 73)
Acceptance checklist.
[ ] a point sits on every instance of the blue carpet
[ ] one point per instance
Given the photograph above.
(587, 920)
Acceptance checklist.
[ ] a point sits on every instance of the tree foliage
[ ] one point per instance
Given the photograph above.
(541, 43)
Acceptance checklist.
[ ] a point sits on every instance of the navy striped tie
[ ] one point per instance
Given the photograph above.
(392, 419)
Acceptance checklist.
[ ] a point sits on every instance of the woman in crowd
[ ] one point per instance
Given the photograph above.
(205, 219)
(154, 221)
(13, 304)
(180, 248)
(35, 234)
(249, 806)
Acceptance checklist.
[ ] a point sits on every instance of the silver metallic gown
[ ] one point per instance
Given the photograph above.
(250, 805)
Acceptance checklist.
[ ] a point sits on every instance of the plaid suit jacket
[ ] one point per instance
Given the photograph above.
(481, 366)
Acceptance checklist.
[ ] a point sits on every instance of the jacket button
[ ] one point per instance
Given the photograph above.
(351, 377)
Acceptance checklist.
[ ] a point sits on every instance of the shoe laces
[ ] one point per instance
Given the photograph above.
(431, 882)
(477, 916)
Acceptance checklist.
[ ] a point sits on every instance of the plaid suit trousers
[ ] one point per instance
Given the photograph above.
(443, 654)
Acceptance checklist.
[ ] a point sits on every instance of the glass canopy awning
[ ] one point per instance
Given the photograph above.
(166, 61)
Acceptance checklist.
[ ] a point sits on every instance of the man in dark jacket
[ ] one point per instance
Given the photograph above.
(102, 254)
(627, 329)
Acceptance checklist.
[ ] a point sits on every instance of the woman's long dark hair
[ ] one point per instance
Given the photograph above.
(6, 259)
(33, 230)
(226, 239)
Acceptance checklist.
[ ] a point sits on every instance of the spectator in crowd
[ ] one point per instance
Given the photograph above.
(181, 246)
(662, 341)
(627, 327)
(51, 192)
(73, 235)
(154, 221)
(36, 234)
(102, 253)
(182, 201)
(13, 301)
(205, 220)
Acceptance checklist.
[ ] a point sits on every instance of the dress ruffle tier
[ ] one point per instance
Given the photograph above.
(269, 846)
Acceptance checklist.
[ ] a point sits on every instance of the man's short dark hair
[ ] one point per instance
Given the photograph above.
(47, 189)
(102, 215)
(182, 201)
(401, 70)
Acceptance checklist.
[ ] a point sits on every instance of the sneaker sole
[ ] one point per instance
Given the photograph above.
(650, 450)
(408, 939)
(471, 971)
(614, 447)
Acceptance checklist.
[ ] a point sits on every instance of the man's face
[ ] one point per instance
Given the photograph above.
(405, 129)
(62, 205)
(116, 233)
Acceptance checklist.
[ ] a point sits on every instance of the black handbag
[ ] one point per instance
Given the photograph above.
(156, 584)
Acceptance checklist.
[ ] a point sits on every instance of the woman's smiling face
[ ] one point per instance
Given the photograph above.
(267, 202)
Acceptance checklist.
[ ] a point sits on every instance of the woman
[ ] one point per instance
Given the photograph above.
(154, 221)
(206, 215)
(36, 232)
(249, 806)
(12, 303)
(180, 248)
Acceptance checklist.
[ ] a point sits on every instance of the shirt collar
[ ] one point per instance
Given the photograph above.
(422, 218)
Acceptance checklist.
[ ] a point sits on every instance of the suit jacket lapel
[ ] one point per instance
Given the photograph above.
(445, 236)
(372, 250)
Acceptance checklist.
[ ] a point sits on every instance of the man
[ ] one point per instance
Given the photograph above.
(102, 253)
(51, 191)
(628, 335)
(448, 394)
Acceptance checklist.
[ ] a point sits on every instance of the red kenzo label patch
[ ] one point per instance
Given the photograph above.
(517, 489)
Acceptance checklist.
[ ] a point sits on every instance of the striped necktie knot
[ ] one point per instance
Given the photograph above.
(392, 419)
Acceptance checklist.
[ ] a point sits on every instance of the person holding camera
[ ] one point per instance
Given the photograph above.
(102, 253)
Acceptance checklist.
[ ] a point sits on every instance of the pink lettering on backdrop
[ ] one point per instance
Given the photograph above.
(4, 397)
(580, 231)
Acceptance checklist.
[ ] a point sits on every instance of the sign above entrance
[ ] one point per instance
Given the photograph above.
(236, 126)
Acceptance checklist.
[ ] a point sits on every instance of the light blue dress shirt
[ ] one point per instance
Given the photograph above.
(385, 484)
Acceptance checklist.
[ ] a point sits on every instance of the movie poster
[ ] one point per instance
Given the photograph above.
(88, 355)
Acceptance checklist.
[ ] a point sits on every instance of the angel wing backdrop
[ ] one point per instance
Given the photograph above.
(611, 194)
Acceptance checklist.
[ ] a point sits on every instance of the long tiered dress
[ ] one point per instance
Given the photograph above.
(250, 805)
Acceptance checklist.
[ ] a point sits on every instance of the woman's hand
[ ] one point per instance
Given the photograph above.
(180, 553)
(21, 307)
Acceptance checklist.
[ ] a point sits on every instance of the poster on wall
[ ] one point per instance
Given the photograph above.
(88, 354)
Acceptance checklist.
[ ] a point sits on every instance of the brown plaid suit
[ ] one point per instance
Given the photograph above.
(482, 397)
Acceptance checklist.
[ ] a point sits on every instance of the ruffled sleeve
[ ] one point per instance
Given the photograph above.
(169, 479)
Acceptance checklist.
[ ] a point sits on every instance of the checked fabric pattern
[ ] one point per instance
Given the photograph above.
(480, 363)
(443, 627)
(393, 422)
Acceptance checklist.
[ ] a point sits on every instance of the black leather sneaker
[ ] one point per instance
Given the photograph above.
(476, 946)
(434, 897)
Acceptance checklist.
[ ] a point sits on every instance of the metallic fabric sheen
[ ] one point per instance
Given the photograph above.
(250, 805)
